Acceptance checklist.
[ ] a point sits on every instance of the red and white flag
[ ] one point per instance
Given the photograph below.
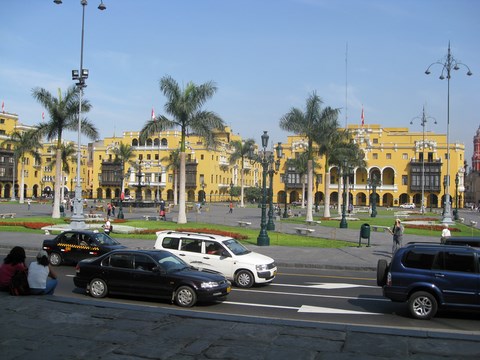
(3, 107)
(363, 117)
(153, 114)
(43, 115)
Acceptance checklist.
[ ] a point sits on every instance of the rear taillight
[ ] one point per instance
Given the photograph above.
(389, 279)
(77, 268)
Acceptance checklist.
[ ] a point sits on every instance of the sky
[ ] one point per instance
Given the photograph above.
(265, 57)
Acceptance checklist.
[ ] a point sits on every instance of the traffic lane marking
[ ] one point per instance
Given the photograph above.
(312, 295)
(306, 309)
(327, 276)
(328, 286)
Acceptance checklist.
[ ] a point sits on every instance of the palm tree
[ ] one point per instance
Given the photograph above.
(63, 113)
(69, 152)
(328, 137)
(123, 154)
(173, 163)
(240, 152)
(347, 151)
(24, 143)
(308, 124)
(185, 107)
(300, 163)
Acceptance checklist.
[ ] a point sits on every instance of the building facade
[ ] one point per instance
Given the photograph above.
(407, 166)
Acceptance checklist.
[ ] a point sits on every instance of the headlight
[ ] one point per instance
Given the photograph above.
(209, 285)
(261, 267)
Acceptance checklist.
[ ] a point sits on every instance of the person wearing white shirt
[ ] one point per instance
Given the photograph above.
(41, 279)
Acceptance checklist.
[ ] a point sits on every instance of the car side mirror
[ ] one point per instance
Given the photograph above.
(225, 253)
(160, 270)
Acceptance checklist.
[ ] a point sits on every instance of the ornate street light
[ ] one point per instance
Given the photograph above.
(374, 182)
(345, 172)
(78, 218)
(263, 239)
(271, 172)
(448, 64)
(423, 122)
(457, 180)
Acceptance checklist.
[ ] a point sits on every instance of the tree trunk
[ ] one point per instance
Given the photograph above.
(182, 215)
(242, 204)
(309, 191)
(22, 182)
(58, 174)
(326, 211)
(175, 187)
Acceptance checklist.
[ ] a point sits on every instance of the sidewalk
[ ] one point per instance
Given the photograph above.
(55, 327)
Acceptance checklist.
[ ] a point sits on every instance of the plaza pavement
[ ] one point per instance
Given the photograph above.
(55, 327)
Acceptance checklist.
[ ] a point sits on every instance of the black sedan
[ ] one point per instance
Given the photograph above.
(149, 273)
(74, 245)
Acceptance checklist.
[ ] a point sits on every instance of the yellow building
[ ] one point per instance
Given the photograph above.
(149, 176)
(397, 158)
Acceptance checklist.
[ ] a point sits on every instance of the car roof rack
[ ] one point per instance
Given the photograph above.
(189, 233)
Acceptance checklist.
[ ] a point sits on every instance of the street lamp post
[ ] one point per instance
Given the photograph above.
(285, 182)
(423, 122)
(78, 219)
(457, 180)
(271, 172)
(344, 173)
(448, 64)
(373, 182)
(263, 239)
(203, 186)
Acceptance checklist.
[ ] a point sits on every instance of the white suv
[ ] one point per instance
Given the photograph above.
(220, 253)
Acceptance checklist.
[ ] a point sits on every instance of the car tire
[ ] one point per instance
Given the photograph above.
(244, 279)
(422, 305)
(55, 259)
(185, 296)
(98, 288)
(382, 272)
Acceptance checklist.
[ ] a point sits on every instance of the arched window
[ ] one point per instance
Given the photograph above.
(156, 142)
(164, 142)
(134, 142)
(149, 142)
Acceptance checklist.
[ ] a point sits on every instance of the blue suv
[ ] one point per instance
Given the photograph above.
(429, 276)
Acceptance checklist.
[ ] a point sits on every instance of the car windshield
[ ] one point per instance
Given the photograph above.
(235, 247)
(171, 263)
(104, 239)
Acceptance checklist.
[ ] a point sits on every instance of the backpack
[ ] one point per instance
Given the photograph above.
(19, 283)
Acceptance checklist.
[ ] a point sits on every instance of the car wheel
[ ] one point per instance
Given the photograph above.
(382, 272)
(185, 296)
(55, 259)
(422, 305)
(98, 288)
(244, 279)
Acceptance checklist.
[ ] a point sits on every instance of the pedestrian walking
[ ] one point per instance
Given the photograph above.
(109, 209)
(230, 208)
(397, 232)
(445, 233)
(29, 202)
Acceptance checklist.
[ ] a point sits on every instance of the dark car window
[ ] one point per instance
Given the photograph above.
(70, 238)
(124, 261)
(419, 259)
(143, 262)
(213, 248)
(455, 261)
(170, 243)
(192, 245)
(104, 239)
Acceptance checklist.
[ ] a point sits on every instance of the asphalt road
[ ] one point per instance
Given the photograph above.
(312, 295)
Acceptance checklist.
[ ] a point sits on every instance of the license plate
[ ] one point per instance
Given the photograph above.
(229, 289)
(275, 273)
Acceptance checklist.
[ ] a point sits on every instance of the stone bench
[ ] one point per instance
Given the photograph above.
(244, 223)
(95, 216)
(361, 210)
(379, 228)
(313, 222)
(304, 231)
(8, 215)
(153, 217)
